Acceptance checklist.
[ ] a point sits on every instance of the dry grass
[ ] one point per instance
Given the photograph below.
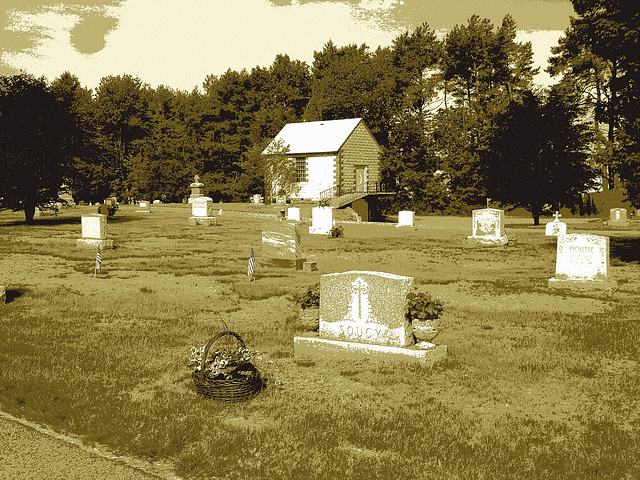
(537, 384)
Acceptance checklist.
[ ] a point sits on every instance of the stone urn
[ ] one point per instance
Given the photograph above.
(310, 318)
(426, 330)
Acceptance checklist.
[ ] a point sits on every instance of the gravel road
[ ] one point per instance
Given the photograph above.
(30, 452)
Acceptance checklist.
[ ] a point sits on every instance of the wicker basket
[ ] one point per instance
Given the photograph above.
(234, 389)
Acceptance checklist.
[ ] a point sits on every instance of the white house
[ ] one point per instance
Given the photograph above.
(333, 158)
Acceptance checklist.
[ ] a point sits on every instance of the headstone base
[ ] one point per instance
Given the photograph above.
(94, 242)
(296, 264)
(309, 267)
(313, 346)
(582, 285)
(488, 241)
(3, 295)
(206, 221)
(618, 223)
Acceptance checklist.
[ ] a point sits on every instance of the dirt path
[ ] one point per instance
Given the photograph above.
(30, 452)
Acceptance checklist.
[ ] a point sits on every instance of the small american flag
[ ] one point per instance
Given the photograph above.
(251, 269)
(98, 262)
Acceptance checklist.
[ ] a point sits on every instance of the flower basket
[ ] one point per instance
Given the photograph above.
(229, 374)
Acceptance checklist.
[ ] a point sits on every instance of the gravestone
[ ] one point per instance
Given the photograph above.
(321, 220)
(488, 227)
(94, 231)
(282, 245)
(293, 213)
(144, 207)
(582, 263)
(555, 228)
(257, 199)
(363, 314)
(281, 200)
(202, 211)
(618, 217)
(405, 218)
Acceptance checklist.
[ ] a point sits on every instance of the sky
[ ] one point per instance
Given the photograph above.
(177, 43)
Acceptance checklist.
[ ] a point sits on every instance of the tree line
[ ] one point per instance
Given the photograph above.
(459, 119)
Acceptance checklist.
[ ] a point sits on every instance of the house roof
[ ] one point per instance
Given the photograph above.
(315, 137)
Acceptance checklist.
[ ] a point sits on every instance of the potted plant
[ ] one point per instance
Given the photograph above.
(423, 313)
(336, 231)
(309, 302)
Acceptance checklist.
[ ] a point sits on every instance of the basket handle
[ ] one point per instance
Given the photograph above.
(214, 340)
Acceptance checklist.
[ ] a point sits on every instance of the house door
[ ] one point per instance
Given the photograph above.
(361, 178)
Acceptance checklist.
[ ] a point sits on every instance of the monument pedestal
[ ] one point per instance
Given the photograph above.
(206, 221)
(104, 244)
(582, 285)
(311, 345)
(487, 240)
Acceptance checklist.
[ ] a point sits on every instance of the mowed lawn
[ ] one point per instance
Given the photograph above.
(537, 384)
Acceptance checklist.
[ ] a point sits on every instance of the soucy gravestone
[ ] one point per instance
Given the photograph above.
(582, 262)
(363, 315)
(366, 307)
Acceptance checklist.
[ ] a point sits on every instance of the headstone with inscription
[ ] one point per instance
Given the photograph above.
(94, 231)
(257, 198)
(405, 218)
(363, 313)
(488, 227)
(282, 245)
(618, 217)
(293, 213)
(144, 207)
(555, 228)
(321, 220)
(582, 263)
(202, 211)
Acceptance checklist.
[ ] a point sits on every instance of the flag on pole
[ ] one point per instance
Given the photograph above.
(98, 262)
(251, 269)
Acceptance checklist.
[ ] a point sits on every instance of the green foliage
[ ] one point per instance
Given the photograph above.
(336, 231)
(536, 154)
(37, 137)
(422, 306)
(310, 298)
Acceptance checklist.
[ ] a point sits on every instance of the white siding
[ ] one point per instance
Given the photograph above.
(320, 174)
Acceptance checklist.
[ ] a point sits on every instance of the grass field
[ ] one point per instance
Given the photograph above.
(538, 384)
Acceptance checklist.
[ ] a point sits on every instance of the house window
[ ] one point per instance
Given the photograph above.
(301, 169)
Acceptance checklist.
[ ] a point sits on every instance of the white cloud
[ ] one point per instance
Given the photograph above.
(177, 42)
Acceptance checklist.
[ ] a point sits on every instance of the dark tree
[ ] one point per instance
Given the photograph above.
(536, 154)
(35, 148)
